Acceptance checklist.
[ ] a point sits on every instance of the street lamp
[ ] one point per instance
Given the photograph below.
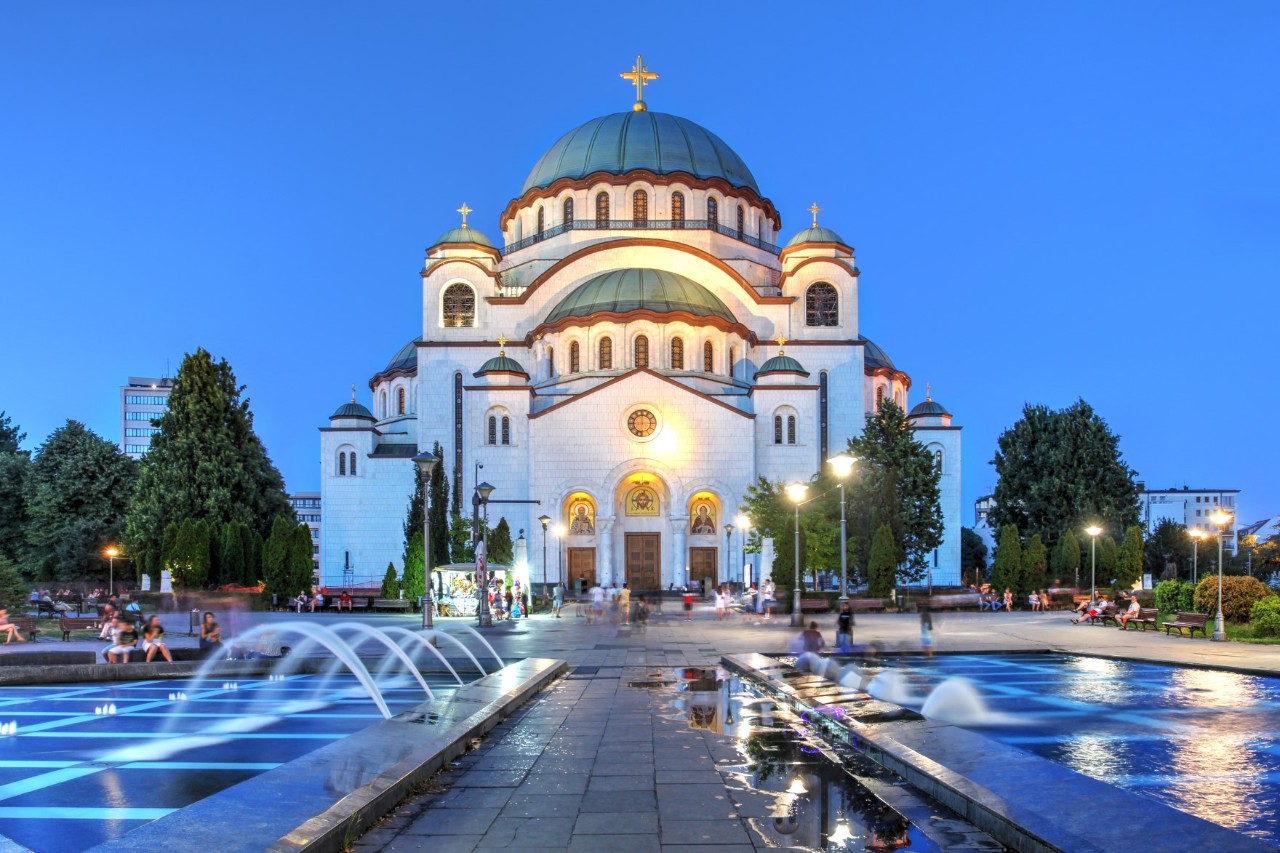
(797, 492)
(744, 524)
(842, 464)
(544, 520)
(481, 497)
(1221, 518)
(559, 531)
(1196, 535)
(112, 552)
(426, 463)
(728, 553)
(1093, 559)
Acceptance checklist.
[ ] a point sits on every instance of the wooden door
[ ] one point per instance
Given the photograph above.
(582, 565)
(644, 562)
(703, 567)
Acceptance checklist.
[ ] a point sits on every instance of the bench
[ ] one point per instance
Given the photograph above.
(957, 601)
(398, 604)
(46, 608)
(1108, 613)
(26, 625)
(67, 624)
(815, 605)
(1192, 622)
(856, 604)
(1146, 616)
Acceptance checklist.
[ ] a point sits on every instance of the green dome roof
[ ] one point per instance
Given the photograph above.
(817, 234)
(501, 364)
(352, 410)
(928, 407)
(406, 358)
(465, 234)
(782, 364)
(874, 357)
(638, 289)
(622, 142)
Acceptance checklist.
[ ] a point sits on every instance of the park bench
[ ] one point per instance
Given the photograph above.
(956, 600)
(1108, 613)
(815, 605)
(1192, 622)
(46, 608)
(396, 604)
(856, 604)
(1146, 616)
(67, 624)
(26, 625)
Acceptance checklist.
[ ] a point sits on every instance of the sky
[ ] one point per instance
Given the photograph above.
(1050, 201)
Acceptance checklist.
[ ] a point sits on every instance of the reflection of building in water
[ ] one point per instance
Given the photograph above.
(709, 702)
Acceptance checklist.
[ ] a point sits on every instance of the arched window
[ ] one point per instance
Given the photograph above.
(708, 358)
(937, 461)
(551, 362)
(382, 409)
(713, 211)
(541, 222)
(459, 306)
(575, 357)
(606, 354)
(602, 209)
(777, 429)
(640, 208)
(342, 464)
(506, 430)
(822, 415)
(641, 351)
(353, 463)
(493, 429)
(742, 220)
(897, 398)
(791, 429)
(879, 397)
(677, 353)
(400, 400)
(568, 211)
(821, 305)
(677, 209)
(733, 359)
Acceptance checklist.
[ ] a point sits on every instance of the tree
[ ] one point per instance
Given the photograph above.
(1108, 557)
(1168, 551)
(275, 560)
(438, 511)
(460, 548)
(1060, 469)
(501, 549)
(13, 591)
(1066, 559)
(414, 575)
(973, 554)
(416, 514)
(300, 562)
(231, 557)
(390, 584)
(1035, 560)
(206, 462)
(15, 463)
(1129, 564)
(1006, 571)
(77, 493)
(189, 560)
(253, 548)
(882, 570)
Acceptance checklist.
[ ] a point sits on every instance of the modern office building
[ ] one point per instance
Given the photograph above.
(307, 506)
(1189, 507)
(141, 401)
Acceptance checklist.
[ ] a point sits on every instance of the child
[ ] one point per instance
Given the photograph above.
(926, 633)
(642, 614)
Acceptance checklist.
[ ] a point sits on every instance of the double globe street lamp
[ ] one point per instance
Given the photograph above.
(426, 463)
(1093, 560)
(1221, 518)
(797, 492)
(1196, 536)
(842, 465)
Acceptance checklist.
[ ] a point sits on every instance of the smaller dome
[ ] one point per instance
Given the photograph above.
(406, 358)
(782, 364)
(875, 358)
(927, 408)
(816, 234)
(463, 234)
(501, 364)
(352, 410)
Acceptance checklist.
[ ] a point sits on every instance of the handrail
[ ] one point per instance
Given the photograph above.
(639, 225)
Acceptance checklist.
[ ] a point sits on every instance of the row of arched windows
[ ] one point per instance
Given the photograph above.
(499, 430)
(639, 211)
(789, 435)
(346, 463)
(639, 354)
(898, 397)
(401, 406)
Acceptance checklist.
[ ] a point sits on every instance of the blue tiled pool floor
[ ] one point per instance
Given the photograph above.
(61, 788)
(1202, 741)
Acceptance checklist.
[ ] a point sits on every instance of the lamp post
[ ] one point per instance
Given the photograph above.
(842, 464)
(426, 463)
(559, 531)
(1221, 518)
(544, 520)
(481, 497)
(112, 552)
(728, 553)
(797, 492)
(744, 524)
(1093, 558)
(1196, 535)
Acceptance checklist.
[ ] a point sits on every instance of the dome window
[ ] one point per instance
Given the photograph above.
(606, 354)
(677, 209)
(708, 358)
(400, 401)
(602, 209)
(640, 209)
(551, 362)
(575, 357)
(821, 305)
(742, 221)
(713, 211)
(542, 222)
(642, 351)
(568, 211)
(677, 353)
(459, 306)
(879, 397)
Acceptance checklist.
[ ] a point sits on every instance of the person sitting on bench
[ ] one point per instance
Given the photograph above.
(9, 629)
(1095, 610)
(1085, 605)
(1131, 613)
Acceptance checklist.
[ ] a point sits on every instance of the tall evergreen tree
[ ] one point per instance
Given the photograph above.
(77, 493)
(15, 463)
(253, 547)
(13, 590)
(275, 560)
(416, 513)
(501, 548)
(973, 555)
(189, 560)
(1108, 557)
(1129, 564)
(1006, 571)
(1060, 468)
(438, 494)
(414, 575)
(206, 462)
(231, 556)
(1035, 560)
(882, 568)
(300, 559)
(1066, 559)
(390, 583)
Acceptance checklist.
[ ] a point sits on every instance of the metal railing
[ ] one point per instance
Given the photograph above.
(640, 225)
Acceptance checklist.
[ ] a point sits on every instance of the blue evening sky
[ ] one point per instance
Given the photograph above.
(1049, 200)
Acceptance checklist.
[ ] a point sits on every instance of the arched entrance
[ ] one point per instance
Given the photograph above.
(705, 514)
(642, 502)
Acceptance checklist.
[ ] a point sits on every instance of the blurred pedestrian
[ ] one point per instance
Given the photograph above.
(844, 628)
(926, 633)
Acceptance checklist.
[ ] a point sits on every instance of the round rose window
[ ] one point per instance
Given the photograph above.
(642, 423)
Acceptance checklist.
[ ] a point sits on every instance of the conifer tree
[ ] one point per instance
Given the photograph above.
(231, 556)
(882, 568)
(1066, 559)
(275, 559)
(1006, 571)
(189, 559)
(1108, 556)
(414, 574)
(416, 513)
(253, 548)
(973, 555)
(1129, 563)
(15, 463)
(390, 583)
(438, 510)
(300, 559)
(501, 548)
(1035, 561)
(206, 462)
(13, 591)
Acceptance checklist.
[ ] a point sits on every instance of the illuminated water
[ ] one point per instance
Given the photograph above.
(1204, 742)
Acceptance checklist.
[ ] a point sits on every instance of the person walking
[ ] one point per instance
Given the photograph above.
(557, 599)
(624, 604)
(926, 633)
(844, 628)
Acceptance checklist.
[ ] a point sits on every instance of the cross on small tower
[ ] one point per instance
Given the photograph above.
(782, 342)
(464, 210)
(353, 393)
(927, 386)
(815, 210)
(502, 345)
(639, 77)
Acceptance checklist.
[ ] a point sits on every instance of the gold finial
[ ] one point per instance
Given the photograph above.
(815, 210)
(927, 386)
(464, 210)
(639, 77)
(782, 342)
(353, 393)
(502, 345)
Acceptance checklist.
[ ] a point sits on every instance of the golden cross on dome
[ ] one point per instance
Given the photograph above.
(815, 210)
(782, 342)
(464, 210)
(353, 393)
(502, 345)
(927, 386)
(639, 77)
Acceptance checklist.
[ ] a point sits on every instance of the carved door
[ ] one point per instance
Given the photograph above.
(644, 561)
(582, 566)
(703, 567)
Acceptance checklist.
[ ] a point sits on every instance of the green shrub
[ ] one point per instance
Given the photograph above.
(1186, 597)
(1239, 594)
(1265, 617)
(1167, 595)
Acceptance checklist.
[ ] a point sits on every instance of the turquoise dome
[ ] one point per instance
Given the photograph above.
(406, 358)
(637, 289)
(622, 142)
(816, 234)
(875, 358)
(352, 410)
(782, 364)
(927, 408)
(501, 364)
(465, 234)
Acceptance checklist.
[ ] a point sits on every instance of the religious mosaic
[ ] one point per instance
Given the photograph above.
(703, 518)
(582, 517)
(642, 500)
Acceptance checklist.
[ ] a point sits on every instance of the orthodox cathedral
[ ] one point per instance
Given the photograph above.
(641, 343)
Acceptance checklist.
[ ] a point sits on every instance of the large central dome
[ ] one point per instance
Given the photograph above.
(657, 291)
(621, 142)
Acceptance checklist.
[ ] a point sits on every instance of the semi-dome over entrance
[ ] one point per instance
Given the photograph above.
(622, 142)
(623, 291)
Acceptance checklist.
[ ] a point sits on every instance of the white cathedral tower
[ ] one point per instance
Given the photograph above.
(635, 355)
